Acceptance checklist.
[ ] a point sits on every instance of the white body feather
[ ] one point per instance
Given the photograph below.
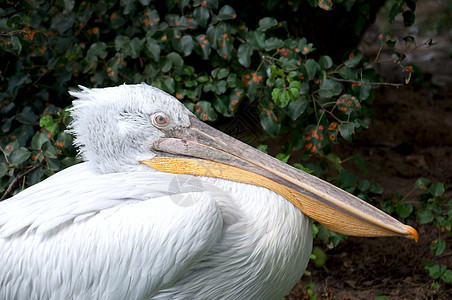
(126, 231)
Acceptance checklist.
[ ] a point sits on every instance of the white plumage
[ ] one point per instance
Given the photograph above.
(111, 228)
(114, 228)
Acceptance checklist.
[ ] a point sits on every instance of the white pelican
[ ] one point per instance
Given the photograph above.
(166, 207)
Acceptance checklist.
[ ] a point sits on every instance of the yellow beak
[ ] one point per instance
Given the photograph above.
(205, 151)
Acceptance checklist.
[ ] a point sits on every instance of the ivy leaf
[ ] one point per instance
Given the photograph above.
(19, 155)
(244, 54)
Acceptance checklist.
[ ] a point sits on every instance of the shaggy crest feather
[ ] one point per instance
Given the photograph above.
(112, 125)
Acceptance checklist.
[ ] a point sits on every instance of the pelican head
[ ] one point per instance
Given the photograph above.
(134, 126)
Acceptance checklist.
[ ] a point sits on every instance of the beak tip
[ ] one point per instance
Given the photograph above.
(412, 233)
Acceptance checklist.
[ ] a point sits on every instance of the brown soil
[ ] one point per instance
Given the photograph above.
(410, 137)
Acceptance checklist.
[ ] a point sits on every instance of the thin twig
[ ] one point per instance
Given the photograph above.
(17, 179)
(328, 112)
(397, 85)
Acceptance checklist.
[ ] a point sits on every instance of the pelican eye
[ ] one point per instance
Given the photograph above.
(159, 120)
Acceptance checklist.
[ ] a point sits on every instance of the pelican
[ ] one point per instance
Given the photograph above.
(166, 207)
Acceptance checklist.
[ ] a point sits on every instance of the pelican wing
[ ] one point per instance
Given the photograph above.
(67, 238)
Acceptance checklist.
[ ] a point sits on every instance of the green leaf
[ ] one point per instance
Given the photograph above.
(283, 157)
(269, 124)
(3, 169)
(297, 107)
(438, 246)
(176, 60)
(152, 48)
(347, 179)
(35, 176)
(273, 43)
(13, 45)
(267, 23)
(227, 13)
(201, 15)
(221, 104)
(26, 116)
(263, 148)
(363, 185)
(244, 54)
(256, 39)
(325, 62)
(447, 276)
(434, 271)
(203, 47)
(348, 73)
(436, 189)
(376, 189)
(204, 111)
(68, 6)
(38, 140)
(353, 60)
(168, 85)
(187, 44)
(329, 88)
(276, 94)
(19, 155)
(48, 123)
(165, 65)
(347, 130)
(425, 216)
(311, 69)
(422, 183)
(404, 210)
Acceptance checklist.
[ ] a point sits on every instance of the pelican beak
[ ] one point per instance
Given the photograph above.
(203, 150)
